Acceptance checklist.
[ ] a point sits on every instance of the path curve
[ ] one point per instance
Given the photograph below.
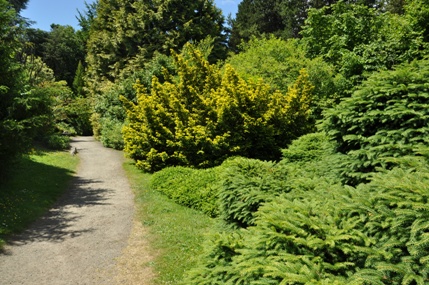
(84, 235)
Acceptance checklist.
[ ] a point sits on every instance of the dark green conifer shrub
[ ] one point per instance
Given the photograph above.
(386, 117)
(246, 185)
(376, 233)
(310, 158)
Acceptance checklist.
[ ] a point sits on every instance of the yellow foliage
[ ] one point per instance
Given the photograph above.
(206, 115)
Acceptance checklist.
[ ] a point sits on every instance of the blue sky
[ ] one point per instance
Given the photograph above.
(63, 12)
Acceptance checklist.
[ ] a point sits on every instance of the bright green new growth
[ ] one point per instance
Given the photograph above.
(278, 62)
(205, 116)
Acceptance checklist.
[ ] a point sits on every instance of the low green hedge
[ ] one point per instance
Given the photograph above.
(197, 189)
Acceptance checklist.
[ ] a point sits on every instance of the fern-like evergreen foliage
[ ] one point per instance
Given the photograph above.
(386, 117)
(246, 185)
(376, 233)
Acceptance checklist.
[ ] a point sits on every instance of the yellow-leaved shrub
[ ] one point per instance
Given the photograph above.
(207, 114)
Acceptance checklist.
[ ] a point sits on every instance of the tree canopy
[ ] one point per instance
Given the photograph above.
(128, 33)
(285, 18)
(18, 5)
(62, 52)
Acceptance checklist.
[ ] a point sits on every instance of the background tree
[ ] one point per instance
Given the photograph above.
(34, 42)
(78, 81)
(255, 18)
(285, 18)
(279, 63)
(126, 30)
(24, 113)
(86, 19)
(281, 18)
(359, 40)
(18, 4)
(12, 140)
(62, 52)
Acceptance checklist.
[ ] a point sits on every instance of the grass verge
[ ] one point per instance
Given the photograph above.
(176, 233)
(32, 185)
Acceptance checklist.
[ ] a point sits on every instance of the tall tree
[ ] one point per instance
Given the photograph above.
(86, 19)
(254, 18)
(359, 40)
(62, 52)
(10, 139)
(282, 18)
(78, 81)
(35, 40)
(285, 18)
(18, 4)
(126, 31)
(22, 113)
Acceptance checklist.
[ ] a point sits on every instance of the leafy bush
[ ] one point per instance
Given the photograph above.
(109, 113)
(111, 135)
(236, 189)
(358, 39)
(386, 117)
(278, 63)
(57, 142)
(78, 112)
(206, 116)
(71, 113)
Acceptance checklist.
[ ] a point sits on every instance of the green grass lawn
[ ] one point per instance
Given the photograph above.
(30, 188)
(176, 233)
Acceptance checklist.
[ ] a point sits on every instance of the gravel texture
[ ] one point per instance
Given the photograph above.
(90, 236)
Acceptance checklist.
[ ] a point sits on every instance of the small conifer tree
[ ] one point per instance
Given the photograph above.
(78, 82)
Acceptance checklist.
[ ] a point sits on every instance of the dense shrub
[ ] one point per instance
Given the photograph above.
(109, 114)
(71, 113)
(246, 185)
(111, 135)
(321, 232)
(56, 141)
(309, 159)
(331, 234)
(194, 188)
(206, 116)
(386, 117)
(236, 189)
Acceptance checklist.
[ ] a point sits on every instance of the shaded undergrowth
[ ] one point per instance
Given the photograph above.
(30, 188)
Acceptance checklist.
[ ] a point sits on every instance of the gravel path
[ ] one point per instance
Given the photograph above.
(89, 236)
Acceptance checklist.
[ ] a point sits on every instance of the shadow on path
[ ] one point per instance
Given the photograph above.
(58, 224)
